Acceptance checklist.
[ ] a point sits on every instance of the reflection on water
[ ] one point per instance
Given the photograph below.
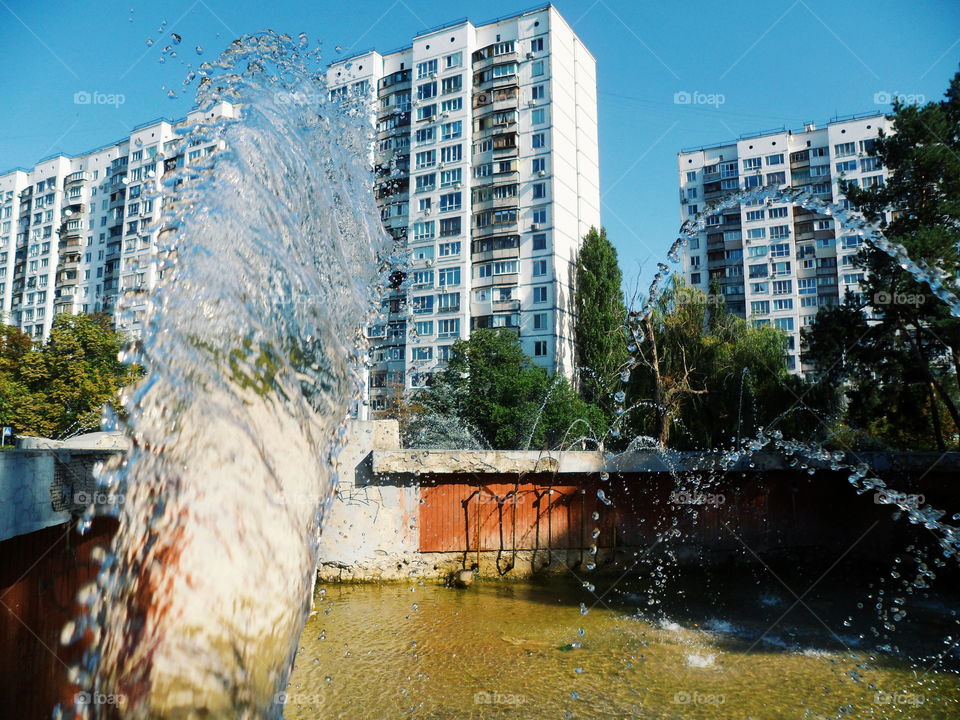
(527, 650)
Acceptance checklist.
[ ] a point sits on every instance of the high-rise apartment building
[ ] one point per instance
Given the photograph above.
(487, 170)
(776, 262)
(77, 233)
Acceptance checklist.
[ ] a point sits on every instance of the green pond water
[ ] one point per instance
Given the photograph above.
(508, 649)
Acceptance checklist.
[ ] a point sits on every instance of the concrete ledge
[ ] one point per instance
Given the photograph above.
(498, 462)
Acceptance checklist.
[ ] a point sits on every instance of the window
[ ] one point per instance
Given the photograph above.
(870, 164)
(539, 268)
(423, 304)
(779, 232)
(448, 302)
(784, 324)
(695, 278)
(423, 205)
(760, 307)
(540, 321)
(759, 270)
(540, 241)
(451, 130)
(781, 268)
(424, 327)
(449, 227)
(425, 69)
(783, 304)
(691, 193)
(423, 230)
(451, 153)
(451, 105)
(539, 165)
(538, 116)
(450, 201)
(539, 140)
(448, 276)
(453, 60)
(540, 348)
(775, 159)
(691, 176)
(540, 294)
(451, 84)
(847, 166)
(807, 286)
(425, 135)
(756, 233)
(751, 181)
(425, 112)
(777, 178)
(692, 210)
(844, 149)
(782, 287)
(539, 191)
(421, 278)
(422, 353)
(536, 45)
(777, 213)
(751, 163)
(451, 177)
(426, 158)
(539, 216)
(825, 242)
(754, 215)
(426, 182)
(448, 328)
(538, 92)
(536, 69)
(449, 249)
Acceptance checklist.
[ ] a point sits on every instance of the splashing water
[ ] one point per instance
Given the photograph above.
(269, 258)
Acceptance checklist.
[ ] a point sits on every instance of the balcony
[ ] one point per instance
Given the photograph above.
(75, 178)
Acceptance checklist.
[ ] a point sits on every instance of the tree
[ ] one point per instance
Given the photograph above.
(705, 376)
(492, 388)
(61, 386)
(906, 365)
(600, 315)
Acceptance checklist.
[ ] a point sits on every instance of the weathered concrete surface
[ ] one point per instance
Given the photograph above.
(107, 441)
(500, 462)
(369, 529)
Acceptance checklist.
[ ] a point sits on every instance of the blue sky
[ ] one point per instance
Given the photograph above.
(773, 64)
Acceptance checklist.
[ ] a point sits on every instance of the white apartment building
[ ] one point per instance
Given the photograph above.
(777, 263)
(487, 169)
(77, 233)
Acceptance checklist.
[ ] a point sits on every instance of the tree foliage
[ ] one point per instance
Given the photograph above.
(61, 386)
(705, 376)
(899, 365)
(600, 314)
(491, 388)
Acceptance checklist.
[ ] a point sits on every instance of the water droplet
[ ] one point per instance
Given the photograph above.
(176, 38)
(149, 42)
(171, 94)
(199, 49)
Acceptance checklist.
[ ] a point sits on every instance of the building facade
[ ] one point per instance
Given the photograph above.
(487, 171)
(778, 263)
(77, 233)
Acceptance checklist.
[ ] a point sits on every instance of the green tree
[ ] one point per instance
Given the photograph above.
(492, 388)
(61, 386)
(903, 361)
(705, 376)
(600, 315)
